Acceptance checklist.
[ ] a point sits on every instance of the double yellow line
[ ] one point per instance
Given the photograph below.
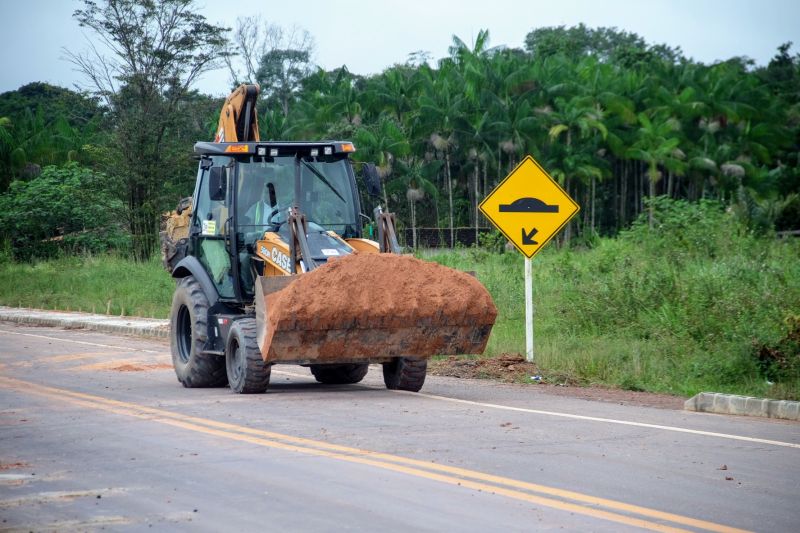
(564, 500)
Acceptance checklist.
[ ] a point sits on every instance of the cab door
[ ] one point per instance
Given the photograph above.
(209, 221)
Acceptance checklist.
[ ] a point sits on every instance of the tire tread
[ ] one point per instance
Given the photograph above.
(256, 371)
(202, 370)
(403, 373)
(340, 374)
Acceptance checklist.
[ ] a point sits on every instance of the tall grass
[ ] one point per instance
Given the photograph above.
(99, 284)
(679, 308)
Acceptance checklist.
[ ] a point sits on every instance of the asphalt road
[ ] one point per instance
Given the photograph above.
(96, 433)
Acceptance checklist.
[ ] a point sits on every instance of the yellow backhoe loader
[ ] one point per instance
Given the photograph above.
(272, 267)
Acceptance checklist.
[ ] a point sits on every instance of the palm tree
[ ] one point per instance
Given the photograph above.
(382, 144)
(657, 146)
(441, 105)
(578, 118)
(396, 91)
(414, 180)
(475, 130)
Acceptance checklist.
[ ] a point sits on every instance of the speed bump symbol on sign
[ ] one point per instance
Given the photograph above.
(529, 203)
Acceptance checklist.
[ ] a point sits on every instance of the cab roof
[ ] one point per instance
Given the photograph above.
(269, 147)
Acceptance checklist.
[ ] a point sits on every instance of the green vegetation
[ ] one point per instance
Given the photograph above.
(696, 303)
(63, 209)
(615, 119)
(684, 307)
(103, 284)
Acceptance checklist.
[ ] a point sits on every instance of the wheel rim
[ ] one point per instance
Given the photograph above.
(184, 334)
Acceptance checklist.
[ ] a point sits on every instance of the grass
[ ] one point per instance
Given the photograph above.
(98, 284)
(684, 308)
(680, 309)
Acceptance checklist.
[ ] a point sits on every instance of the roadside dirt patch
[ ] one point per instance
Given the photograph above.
(618, 396)
(13, 466)
(140, 368)
(508, 368)
(512, 368)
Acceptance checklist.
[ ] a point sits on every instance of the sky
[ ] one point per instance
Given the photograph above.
(369, 36)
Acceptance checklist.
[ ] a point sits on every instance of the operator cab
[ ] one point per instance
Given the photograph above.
(246, 190)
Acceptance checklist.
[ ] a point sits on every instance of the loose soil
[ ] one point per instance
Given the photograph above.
(391, 293)
(140, 368)
(513, 368)
(13, 466)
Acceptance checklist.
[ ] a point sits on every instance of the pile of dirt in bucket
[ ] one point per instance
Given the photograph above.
(385, 294)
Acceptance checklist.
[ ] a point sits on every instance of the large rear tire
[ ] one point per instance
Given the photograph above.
(188, 335)
(341, 374)
(402, 373)
(246, 369)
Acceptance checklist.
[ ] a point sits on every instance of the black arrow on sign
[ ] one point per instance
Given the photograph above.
(527, 238)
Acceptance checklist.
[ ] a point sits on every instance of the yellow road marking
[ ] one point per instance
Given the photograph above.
(477, 404)
(441, 473)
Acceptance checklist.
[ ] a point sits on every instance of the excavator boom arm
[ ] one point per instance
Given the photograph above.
(238, 121)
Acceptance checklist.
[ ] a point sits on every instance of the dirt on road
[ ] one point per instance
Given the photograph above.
(513, 368)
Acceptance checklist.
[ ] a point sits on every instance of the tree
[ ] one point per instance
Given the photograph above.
(156, 49)
(56, 102)
(276, 58)
(657, 146)
(579, 101)
(252, 39)
(396, 91)
(578, 41)
(578, 118)
(64, 208)
(414, 182)
(42, 125)
(280, 72)
(442, 106)
(382, 144)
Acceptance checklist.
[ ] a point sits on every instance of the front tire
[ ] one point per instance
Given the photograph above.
(246, 369)
(341, 374)
(188, 334)
(402, 373)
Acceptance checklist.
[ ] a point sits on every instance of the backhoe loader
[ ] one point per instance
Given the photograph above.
(264, 256)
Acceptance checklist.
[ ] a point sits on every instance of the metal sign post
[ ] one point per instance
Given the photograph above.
(528, 310)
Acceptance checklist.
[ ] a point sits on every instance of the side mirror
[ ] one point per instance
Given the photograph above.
(217, 184)
(372, 179)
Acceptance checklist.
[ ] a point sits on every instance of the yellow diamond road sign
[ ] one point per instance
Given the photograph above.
(529, 207)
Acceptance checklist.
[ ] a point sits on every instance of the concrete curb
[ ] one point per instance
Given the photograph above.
(146, 327)
(731, 404)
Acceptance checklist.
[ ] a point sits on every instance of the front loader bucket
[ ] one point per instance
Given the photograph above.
(372, 307)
